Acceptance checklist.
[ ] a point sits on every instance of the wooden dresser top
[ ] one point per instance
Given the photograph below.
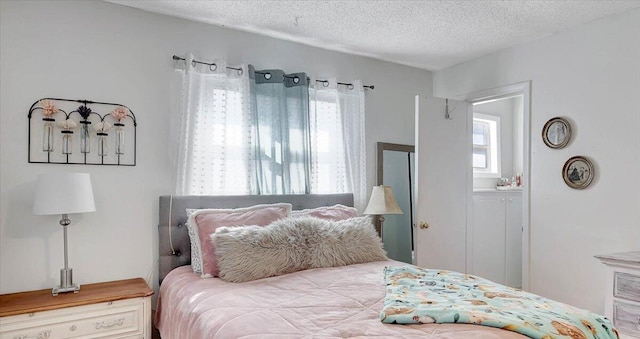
(42, 300)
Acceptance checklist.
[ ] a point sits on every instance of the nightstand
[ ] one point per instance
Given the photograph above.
(116, 309)
(622, 303)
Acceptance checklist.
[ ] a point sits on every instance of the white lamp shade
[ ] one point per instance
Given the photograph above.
(63, 193)
(382, 202)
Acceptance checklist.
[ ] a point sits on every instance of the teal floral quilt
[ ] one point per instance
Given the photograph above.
(418, 295)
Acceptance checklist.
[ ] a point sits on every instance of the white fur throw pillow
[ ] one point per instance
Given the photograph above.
(251, 252)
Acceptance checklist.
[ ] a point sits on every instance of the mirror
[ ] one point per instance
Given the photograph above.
(396, 163)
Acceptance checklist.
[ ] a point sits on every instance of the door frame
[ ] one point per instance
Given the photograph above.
(524, 89)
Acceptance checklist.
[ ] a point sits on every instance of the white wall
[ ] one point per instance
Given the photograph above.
(105, 52)
(591, 75)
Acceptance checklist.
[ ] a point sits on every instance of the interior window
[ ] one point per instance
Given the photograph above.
(486, 148)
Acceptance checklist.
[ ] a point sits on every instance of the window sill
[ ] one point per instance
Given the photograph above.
(487, 175)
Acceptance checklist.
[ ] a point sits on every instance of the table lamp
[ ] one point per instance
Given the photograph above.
(64, 193)
(382, 202)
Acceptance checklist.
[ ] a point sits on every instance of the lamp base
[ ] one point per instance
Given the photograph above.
(60, 289)
(66, 283)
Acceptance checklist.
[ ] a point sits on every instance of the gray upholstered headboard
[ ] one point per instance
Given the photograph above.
(179, 204)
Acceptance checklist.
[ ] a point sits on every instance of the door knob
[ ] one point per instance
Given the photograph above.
(424, 225)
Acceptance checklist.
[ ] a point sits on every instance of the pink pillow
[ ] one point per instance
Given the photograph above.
(208, 220)
(333, 213)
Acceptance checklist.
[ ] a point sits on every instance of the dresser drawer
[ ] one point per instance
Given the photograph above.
(626, 285)
(117, 319)
(626, 318)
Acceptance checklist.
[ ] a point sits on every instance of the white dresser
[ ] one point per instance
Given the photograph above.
(623, 292)
(117, 309)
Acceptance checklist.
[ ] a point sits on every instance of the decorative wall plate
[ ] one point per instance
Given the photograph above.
(578, 172)
(556, 133)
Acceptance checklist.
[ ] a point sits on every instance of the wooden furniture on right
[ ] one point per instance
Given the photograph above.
(622, 303)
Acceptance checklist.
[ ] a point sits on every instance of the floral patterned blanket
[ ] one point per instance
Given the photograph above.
(417, 295)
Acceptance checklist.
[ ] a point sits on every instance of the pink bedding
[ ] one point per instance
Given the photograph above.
(334, 302)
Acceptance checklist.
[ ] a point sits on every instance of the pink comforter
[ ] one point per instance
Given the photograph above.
(334, 302)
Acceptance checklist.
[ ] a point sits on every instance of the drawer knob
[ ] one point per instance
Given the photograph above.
(72, 328)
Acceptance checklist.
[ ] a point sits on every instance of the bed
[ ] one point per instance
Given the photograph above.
(331, 302)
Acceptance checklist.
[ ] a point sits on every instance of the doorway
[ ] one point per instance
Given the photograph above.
(496, 234)
(498, 184)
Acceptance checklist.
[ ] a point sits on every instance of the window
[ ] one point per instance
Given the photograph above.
(221, 144)
(337, 137)
(328, 170)
(486, 146)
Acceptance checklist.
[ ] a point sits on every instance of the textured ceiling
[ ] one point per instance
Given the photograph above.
(427, 34)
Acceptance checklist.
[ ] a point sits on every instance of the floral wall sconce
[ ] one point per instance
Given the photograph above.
(101, 139)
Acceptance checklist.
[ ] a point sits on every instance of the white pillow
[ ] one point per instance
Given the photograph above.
(196, 261)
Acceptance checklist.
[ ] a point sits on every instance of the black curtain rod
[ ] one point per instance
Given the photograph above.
(325, 83)
(213, 67)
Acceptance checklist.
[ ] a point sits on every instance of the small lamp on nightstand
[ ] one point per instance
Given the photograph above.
(382, 202)
(64, 193)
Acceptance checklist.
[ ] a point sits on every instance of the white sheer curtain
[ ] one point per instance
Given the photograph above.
(212, 137)
(337, 116)
(211, 130)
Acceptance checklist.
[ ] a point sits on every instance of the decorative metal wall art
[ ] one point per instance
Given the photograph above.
(81, 136)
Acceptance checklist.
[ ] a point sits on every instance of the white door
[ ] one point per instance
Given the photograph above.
(443, 160)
